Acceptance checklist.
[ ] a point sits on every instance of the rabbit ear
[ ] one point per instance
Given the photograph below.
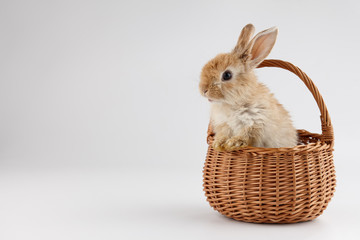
(246, 33)
(260, 47)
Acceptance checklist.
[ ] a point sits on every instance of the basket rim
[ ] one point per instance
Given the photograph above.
(318, 146)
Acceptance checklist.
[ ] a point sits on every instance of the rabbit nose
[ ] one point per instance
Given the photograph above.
(205, 91)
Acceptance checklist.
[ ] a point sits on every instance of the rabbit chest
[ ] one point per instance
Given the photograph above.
(237, 117)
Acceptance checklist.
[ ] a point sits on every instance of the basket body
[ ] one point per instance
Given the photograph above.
(274, 185)
(271, 186)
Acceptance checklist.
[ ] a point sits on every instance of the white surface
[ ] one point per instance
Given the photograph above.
(102, 128)
(157, 203)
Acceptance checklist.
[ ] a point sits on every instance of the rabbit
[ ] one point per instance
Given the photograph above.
(243, 111)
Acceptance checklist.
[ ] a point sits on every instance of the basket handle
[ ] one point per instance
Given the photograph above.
(326, 126)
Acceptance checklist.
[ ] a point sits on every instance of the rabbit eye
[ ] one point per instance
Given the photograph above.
(227, 75)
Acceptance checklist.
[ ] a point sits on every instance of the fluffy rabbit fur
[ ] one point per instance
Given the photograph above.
(243, 111)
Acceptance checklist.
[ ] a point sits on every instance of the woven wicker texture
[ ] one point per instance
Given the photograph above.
(274, 185)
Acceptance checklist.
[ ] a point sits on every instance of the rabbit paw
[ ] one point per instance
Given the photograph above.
(218, 144)
(234, 143)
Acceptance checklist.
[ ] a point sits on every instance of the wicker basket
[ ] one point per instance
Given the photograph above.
(274, 185)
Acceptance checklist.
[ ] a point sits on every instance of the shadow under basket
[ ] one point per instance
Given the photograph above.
(274, 185)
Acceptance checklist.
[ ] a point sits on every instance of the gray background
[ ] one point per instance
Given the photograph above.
(102, 128)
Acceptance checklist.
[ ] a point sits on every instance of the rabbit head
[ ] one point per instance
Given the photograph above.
(229, 77)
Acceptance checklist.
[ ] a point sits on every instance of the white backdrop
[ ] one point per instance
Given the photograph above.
(102, 128)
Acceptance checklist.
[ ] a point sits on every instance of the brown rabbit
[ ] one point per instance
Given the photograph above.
(243, 111)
